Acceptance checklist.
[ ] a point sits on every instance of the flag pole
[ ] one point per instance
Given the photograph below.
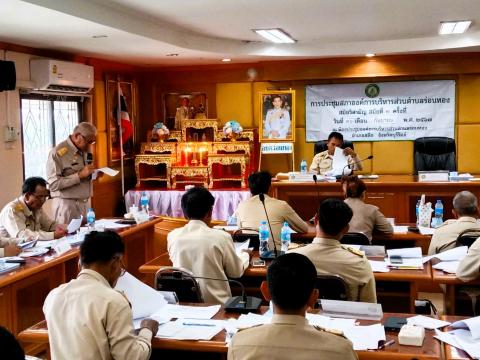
(119, 122)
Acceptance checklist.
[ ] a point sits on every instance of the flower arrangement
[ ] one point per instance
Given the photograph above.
(232, 129)
(160, 130)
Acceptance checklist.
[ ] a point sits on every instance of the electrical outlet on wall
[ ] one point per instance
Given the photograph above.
(10, 133)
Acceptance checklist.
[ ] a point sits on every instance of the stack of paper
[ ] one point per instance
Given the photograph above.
(241, 246)
(400, 229)
(447, 266)
(466, 336)
(426, 322)
(426, 230)
(190, 329)
(455, 254)
(379, 266)
(365, 337)
(8, 267)
(411, 258)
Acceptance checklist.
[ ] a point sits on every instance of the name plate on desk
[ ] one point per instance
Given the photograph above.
(429, 176)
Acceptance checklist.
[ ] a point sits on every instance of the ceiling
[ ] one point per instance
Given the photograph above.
(145, 32)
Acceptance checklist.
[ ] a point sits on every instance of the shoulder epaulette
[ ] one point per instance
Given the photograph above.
(62, 151)
(354, 251)
(248, 327)
(330, 331)
(17, 207)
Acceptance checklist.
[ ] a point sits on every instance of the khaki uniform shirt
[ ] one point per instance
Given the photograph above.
(469, 267)
(18, 221)
(88, 320)
(289, 337)
(63, 164)
(250, 213)
(445, 236)
(322, 162)
(330, 257)
(367, 218)
(207, 252)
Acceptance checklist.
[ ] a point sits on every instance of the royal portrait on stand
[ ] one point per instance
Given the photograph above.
(277, 116)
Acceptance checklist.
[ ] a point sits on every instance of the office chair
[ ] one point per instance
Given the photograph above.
(331, 287)
(242, 235)
(467, 237)
(320, 146)
(434, 153)
(355, 238)
(181, 281)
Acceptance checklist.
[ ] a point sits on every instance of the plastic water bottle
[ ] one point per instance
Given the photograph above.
(438, 213)
(91, 218)
(232, 220)
(303, 167)
(417, 211)
(144, 202)
(263, 236)
(285, 236)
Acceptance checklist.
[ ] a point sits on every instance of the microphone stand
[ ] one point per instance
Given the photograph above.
(262, 199)
(353, 164)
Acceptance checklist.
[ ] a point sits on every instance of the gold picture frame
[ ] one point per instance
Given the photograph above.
(277, 116)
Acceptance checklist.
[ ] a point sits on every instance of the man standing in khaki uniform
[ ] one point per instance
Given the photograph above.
(204, 251)
(291, 279)
(69, 174)
(24, 216)
(330, 257)
(322, 162)
(469, 267)
(465, 211)
(250, 212)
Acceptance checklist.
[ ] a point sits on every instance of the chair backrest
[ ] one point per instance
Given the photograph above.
(355, 238)
(322, 146)
(467, 237)
(434, 153)
(181, 281)
(240, 236)
(331, 287)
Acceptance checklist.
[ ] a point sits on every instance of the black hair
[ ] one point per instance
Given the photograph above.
(10, 346)
(101, 247)
(336, 135)
(259, 182)
(291, 279)
(30, 184)
(197, 202)
(333, 216)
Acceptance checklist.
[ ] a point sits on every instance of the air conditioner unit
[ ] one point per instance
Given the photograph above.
(61, 76)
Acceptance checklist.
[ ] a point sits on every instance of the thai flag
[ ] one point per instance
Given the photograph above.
(125, 123)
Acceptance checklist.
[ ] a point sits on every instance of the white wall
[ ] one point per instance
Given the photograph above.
(11, 166)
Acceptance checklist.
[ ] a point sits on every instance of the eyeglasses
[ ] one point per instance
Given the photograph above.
(88, 141)
(123, 269)
(41, 197)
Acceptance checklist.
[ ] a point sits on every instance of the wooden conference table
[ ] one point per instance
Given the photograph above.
(23, 290)
(431, 348)
(451, 352)
(395, 195)
(389, 284)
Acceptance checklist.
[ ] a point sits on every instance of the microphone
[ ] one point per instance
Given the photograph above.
(241, 304)
(354, 163)
(89, 158)
(262, 199)
(318, 197)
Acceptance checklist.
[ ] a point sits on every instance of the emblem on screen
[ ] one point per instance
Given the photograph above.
(372, 90)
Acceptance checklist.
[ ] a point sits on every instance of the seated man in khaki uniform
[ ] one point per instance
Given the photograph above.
(87, 318)
(204, 251)
(330, 257)
(465, 211)
(250, 212)
(291, 279)
(24, 216)
(469, 267)
(322, 162)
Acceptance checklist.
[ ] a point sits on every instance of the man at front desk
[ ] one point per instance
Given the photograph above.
(322, 162)
(24, 216)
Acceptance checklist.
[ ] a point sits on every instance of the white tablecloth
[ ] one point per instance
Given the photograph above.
(167, 202)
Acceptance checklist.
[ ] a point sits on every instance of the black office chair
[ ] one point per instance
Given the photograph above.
(181, 281)
(322, 146)
(242, 235)
(355, 238)
(331, 287)
(434, 153)
(467, 237)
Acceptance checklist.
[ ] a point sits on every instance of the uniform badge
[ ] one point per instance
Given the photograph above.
(62, 151)
(354, 251)
(18, 207)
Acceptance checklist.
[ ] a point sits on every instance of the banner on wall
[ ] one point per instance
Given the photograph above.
(381, 111)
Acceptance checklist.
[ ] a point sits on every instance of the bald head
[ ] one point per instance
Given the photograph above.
(465, 204)
(84, 135)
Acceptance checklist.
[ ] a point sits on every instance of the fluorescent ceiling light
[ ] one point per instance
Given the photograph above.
(370, 55)
(226, 60)
(277, 36)
(454, 27)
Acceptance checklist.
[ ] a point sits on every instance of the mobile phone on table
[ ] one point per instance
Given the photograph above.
(258, 263)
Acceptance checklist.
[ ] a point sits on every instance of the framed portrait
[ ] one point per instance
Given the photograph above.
(114, 137)
(184, 106)
(277, 116)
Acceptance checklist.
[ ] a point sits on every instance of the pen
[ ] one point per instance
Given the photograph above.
(195, 324)
(388, 343)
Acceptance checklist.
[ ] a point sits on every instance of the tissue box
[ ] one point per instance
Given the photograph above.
(411, 335)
